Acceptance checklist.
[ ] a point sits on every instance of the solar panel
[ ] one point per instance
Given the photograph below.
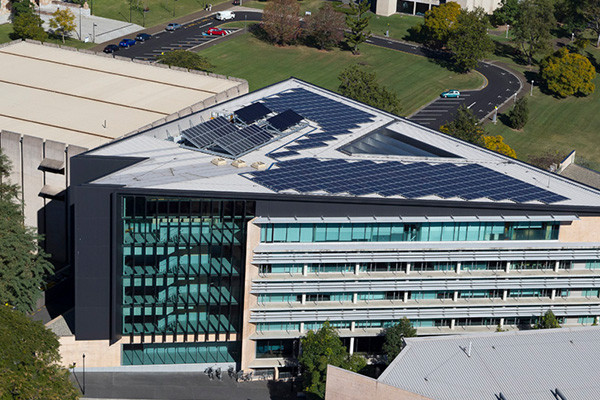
(252, 113)
(393, 178)
(284, 120)
(243, 140)
(204, 134)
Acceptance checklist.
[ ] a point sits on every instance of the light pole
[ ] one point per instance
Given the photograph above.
(80, 22)
(531, 92)
(83, 374)
(94, 33)
(495, 118)
(507, 28)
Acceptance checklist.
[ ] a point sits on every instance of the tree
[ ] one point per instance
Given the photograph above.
(19, 7)
(567, 74)
(394, 338)
(532, 28)
(325, 28)
(23, 264)
(29, 26)
(518, 116)
(361, 85)
(507, 13)
(280, 21)
(439, 23)
(320, 349)
(186, 59)
(496, 143)
(63, 21)
(469, 41)
(590, 12)
(28, 360)
(465, 126)
(547, 321)
(357, 21)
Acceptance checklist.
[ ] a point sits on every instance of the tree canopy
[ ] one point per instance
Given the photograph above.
(361, 85)
(186, 59)
(496, 143)
(19, 7)
(325, 28)
(357, 21)
(567, 74)
(28, 360)
(394, 338)
(63, 21)
(465, 126)
(469, 41)
(320, 349)
(547, 321)
(439, 23)
(281, 22)
(518, 116)
(533, 27)
(27, 25)
(23, 264)
(507, 13)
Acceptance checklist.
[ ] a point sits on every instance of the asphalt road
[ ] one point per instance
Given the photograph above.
(189, 36)
(500, 85)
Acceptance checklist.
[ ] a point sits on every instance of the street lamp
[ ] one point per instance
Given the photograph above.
(83, 374)
(495, 118)
(94, 33)
(531, 92)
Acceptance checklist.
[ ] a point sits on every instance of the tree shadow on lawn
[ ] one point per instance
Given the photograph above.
(502, 49)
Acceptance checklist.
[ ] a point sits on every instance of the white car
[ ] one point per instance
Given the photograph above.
(225, 15)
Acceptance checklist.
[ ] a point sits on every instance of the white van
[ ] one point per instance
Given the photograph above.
(225, 15)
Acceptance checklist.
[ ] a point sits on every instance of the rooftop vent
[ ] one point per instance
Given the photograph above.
(259, 165)
(239, 163)
(218, 161)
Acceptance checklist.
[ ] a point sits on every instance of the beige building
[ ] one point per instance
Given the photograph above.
(419, 7)
(58, 102)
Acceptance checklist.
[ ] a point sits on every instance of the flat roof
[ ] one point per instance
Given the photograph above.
(522, 365)
(86, 99)
(311, 158)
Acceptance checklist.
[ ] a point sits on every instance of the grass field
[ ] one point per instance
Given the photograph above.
(5, 30)
(415, 79)
(159, 11)
(397, 24)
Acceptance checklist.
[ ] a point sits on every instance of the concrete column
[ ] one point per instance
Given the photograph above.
(501, 322)
(405, 297)
(351, 350)
(354, 298)
(407, 268)
(507, 266)
(596, 320)
(414, 7)
(305, 270)
(455, 296)
(457, 264)
(452, 323)
(556, 265)
(553, 294)
(357, 269)
(352, 326)
(504, 294)
(276, 373)
(303, 299)
(301, 327)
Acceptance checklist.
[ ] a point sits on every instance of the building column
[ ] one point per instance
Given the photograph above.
(276, 373)
(357, 269)
(354, 298)
(407, 268)
(553, 294)
(351, 350)
(452, 323)
(458, 265)
(301, 327)
(596, 320)
(556, 266)
(303, 299)
(507, 269)
(405, 299)
(305, 270)
(504, 294)
(352, 326)
(501, 322)
(415, 7)
(455, 296)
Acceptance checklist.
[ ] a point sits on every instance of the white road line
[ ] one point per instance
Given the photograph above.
(472, 104)
(424, 119)
(436, 111)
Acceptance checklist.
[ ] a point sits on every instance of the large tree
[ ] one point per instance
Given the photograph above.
(29, 361)
(469, 41)
(533, 27)
(19, 7)
(64, 22)
(547, 321)
(281, 22)
(465, 126)
(394, 338)
(320, 349)
(507, 13)
(23, 264)
(325, 28)
(357, 21)
(361, 85)
(29, 26)
(590, 11)
(439, 23)
(567, 74)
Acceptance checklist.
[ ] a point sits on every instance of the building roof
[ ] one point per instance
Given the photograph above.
(87, 100)
(583, 175)
(339, 148)
(522, 365)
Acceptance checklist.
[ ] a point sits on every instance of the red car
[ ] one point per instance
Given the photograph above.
(217, 31)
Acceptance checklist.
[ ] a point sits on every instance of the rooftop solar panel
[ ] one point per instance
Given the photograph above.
(393, 178)
(252, 113)
(243, 140)
(284, 120)
(204, 134)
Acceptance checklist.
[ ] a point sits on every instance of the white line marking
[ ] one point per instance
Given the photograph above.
(472, 104)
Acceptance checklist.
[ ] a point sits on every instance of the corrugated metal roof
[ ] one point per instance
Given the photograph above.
(521, 365)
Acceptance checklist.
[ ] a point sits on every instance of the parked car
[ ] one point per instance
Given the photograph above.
(127, 43)
(142, 37)
(173, 27)
(450, 93)
(224, 15)
(217, 31)
(111, 48)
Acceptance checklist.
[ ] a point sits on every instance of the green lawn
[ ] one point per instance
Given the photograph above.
(397, 24)
(159, 11)
(5, 30)
(415, 79)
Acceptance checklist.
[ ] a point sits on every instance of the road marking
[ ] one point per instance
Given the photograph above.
(472, 104)
(424, 119)
(436, 111)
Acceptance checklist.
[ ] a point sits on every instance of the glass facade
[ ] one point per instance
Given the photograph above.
(181, 353)
(182, 266)
(422, 232)
(276, 348)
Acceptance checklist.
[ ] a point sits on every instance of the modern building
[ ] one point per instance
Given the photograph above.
(80, 101)
(225, 235)
(528, 365)
(419, 7)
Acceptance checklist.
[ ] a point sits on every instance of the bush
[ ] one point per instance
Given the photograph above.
(518, 116)
(28, 26)
(496, 143)
(567, 74)
(186, 59)
(361, 85)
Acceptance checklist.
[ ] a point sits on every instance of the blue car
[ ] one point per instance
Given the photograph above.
(127, 43)
(451, 94)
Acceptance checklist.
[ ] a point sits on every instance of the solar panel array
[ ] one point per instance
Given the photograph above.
(335, 118)
(252, 113)
(393, 178)
(284, 120)
(220, 134)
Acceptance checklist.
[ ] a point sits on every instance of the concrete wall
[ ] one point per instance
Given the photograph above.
(47, 214)
(98, 353)
(346, 385)
(250, 300)
(587, 229)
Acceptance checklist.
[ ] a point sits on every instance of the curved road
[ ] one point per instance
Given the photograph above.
(500, 86)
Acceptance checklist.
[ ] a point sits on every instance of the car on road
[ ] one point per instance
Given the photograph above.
(450, 93)
(111, 48)
(173, 27)
(142, 37)
(217, 31)
(127, 43)
(224, 15)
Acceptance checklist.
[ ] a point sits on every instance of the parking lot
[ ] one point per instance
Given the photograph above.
(441, 110)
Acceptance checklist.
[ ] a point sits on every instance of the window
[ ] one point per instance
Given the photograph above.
(592, 264)
(525, 265)
(275, 348)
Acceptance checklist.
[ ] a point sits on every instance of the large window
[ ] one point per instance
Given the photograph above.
(276, 348)
(424, 232)
(181, 353)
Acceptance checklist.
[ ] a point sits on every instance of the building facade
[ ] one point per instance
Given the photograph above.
(420, 7)
(195, 243)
